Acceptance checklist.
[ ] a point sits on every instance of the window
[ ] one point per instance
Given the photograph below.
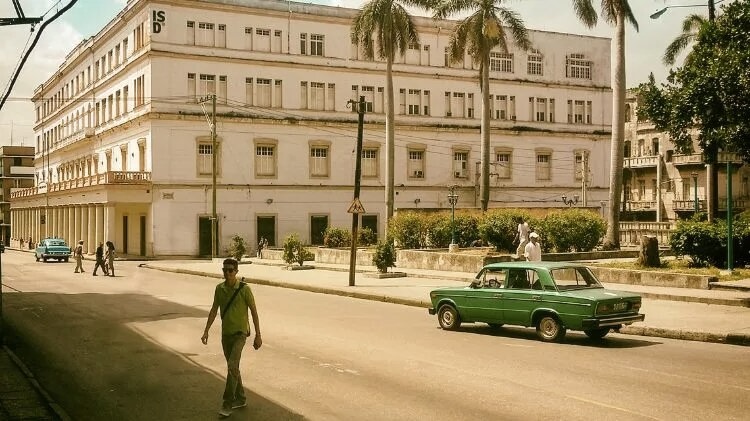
(262, 41)
(581, 164)
(426, 103)
(641, 189)
(139, 91)
(654, 146)
(205, 34)
(543, 165)
(124, 51)
(501, 62)
(415, 166)
(191, 86)
(470, 107)
(117, 55)
(317, 95)
(534, 64)
(221, 40)
(415, 102)
(303, 44)
(499, 107)
(686, 190)
(456, 104)
(205, 157)
(366, 91)
(118, 98)
(207, 85)
(248, 38)
(331, 97)
(277, 93)
(461, 164)
(588, 112)
(577, 67)
(222, 95)
(576, 112)
(503, 164)
(124, 100)
(264, 92)
(654, 189)
(370, 162)
(537, 109)
(303, 95)
(248, 91)
(265, 160)
(319, 161)
(276, 46)
(316, 45)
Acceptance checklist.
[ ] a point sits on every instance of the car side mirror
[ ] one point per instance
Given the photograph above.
(474, 284)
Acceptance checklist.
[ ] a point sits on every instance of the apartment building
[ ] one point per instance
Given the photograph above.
(124, 151)
(660, 184)
(17, 173)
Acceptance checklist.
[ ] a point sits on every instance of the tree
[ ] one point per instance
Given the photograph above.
(710, 95)
(614, 12)
(690, 27)
(478, 34)
(387, 26)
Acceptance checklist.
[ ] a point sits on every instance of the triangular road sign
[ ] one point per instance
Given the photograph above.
(356, 206)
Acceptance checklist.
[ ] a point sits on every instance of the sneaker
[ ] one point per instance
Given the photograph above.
(225, 412)
(238, 405)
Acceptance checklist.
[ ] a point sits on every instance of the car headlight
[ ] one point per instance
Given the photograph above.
(636, 306)
(603, 308)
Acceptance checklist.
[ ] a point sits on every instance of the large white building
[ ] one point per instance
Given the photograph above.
(124, 149)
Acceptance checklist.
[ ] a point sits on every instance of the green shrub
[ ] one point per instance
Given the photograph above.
(385, 256)
(571, 230)
(238, 247)
(409, 229)
(295, 251)
(366, 237)
(499, 227)
(438, 227)
(703, 241)
(337, 237)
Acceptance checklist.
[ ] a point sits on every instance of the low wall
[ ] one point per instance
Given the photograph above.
(652, 278)
(342, 256)
(442, 260)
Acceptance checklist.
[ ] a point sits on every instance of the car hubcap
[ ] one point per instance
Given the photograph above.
(549, 327)
(447, 318)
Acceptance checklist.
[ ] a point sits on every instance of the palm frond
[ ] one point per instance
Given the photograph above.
(677, 46)
(693, 23)
(446, 8)
(585, 12)
(517, 28)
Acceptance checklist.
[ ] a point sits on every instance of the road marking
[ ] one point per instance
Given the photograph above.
(691, 379)
(338, 367)
(611, 407)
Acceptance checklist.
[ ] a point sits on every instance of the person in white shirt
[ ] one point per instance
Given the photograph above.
(523, 237)
(533, 251)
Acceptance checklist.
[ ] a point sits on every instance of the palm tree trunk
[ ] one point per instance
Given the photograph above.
(612, 240)
(390, 135)
(484, 190)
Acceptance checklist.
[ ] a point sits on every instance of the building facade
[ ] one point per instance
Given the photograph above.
(124, 149)
(17, 172)
(663, 185)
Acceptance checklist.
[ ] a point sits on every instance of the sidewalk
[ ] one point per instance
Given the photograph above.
(21, 398)
(677, 313)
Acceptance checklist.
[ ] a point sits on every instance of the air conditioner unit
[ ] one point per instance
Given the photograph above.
(460, 174)
(418, 174)
(513, 118)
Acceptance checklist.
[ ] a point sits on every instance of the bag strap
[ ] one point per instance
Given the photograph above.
(236, 291)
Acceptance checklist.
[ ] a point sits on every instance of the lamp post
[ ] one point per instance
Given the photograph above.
(453, 199)
(711, 9)
(694, 174)
(570, 202)
(730, 216)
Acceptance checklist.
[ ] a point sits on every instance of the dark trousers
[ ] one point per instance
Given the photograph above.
(233, 391)
(100, 264)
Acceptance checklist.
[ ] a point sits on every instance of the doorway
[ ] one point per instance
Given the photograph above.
(266, 229)
(125, 234)
(204, 236)
(143, 235)
(318, 226)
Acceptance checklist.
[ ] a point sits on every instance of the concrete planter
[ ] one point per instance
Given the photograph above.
(386, 275)
(298, 267)
(652, 278)
(342, 256)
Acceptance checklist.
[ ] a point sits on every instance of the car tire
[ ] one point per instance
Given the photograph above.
(36, 257)
(549, 329)
(448, 317)
(597, 333)
(495, 325)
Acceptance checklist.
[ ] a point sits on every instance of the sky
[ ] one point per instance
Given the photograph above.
(644, 48)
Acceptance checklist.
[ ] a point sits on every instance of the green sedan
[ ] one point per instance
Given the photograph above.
(550, 296)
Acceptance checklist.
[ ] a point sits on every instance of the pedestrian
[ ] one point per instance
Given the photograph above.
(78, 255)
(21, 240)
(31, 244)
(109, 259)
(233, 298)
(260, 248)
(522, 236)
(100, 259)
(533, 250)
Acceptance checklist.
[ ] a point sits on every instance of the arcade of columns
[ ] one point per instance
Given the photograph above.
(93, 223)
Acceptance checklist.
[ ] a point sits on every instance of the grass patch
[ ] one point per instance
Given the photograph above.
(680, 266)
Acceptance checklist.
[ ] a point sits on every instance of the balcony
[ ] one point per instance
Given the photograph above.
(688, 205)
(732, 157)
(641, 161)
(107, 178)
(690, 159)
(640, 205)
(737, 203)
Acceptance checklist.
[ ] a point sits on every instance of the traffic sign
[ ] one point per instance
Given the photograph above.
(356, 206)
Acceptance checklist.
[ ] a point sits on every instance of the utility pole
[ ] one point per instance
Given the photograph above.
(212, 125)
(584, 178)
(356, 207)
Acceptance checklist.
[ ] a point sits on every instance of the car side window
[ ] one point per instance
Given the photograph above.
(519, 278)
(494, 280)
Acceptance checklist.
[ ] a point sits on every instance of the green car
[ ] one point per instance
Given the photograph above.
(52, 248)
(550, 296)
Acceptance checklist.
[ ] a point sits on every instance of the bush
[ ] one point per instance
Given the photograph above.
(439, 230)
(409, 229)
(703, 241)
(385, 256)
(571, 230)
(294, 251)
(366, 237)
(337, 237)
(499, 227)
(238, 247)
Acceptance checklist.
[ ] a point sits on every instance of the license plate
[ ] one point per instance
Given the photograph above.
(620, 306)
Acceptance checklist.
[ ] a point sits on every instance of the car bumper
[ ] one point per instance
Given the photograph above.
(431, 311)
(612, 321)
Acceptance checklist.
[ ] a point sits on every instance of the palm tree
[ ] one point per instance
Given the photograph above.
(690, 27)
(387, 26)
(614, 12)
(479, 33)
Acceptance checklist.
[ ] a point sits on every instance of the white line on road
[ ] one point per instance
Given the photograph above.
(689, 379)
(611, 407)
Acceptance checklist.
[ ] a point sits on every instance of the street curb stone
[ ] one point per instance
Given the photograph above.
(732, 339)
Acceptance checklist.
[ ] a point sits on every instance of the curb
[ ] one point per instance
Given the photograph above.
(730, 338)
(58, 411)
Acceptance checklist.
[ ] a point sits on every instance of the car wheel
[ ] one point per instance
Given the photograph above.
(448, 317)
(549, 329)
(65, 260)
(597, 333)
(36, 257)
(495, 325)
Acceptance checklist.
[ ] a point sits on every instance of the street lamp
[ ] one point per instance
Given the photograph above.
(695, 190)
(570, 202)
(711, 9)
(453, 199)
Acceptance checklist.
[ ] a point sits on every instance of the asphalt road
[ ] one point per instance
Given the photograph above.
(128, 348)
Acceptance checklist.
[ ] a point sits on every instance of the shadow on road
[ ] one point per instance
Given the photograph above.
(571, 337)
(82, 350)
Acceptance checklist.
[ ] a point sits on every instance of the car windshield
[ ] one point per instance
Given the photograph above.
(56, 243)
(574, 278)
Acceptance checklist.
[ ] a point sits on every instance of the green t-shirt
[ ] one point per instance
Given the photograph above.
(236, 319)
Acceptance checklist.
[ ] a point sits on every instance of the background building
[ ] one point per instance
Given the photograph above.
(17, 172)
(124, 152)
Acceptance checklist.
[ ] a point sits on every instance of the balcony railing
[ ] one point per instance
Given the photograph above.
(737, 203)
(107, 178)
(688, 205)
(631, 232)
(640, 205)
(691, 159)
(732, 157)
(641, 161)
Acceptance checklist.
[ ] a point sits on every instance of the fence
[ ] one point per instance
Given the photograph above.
(631, 232)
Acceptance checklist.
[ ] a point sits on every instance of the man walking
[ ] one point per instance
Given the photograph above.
(233, 298)
(100, 259)
(78, 255)
(533, 250)
(522, 235)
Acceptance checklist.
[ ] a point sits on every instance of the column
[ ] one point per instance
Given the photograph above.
(99, 224)
(84, 233)
(76, 225)
(72, 223)
(90, 247)
(109, 222)
(65, 213)
(13, 222)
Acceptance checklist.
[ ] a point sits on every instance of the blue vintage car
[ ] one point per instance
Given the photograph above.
(52, 248)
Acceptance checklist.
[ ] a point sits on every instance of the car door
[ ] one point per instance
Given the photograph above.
(484, 304)
(519, 299)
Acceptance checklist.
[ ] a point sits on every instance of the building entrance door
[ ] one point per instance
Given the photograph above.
(143, 235)
(266, 229)
(318, 225)
(204, 236)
